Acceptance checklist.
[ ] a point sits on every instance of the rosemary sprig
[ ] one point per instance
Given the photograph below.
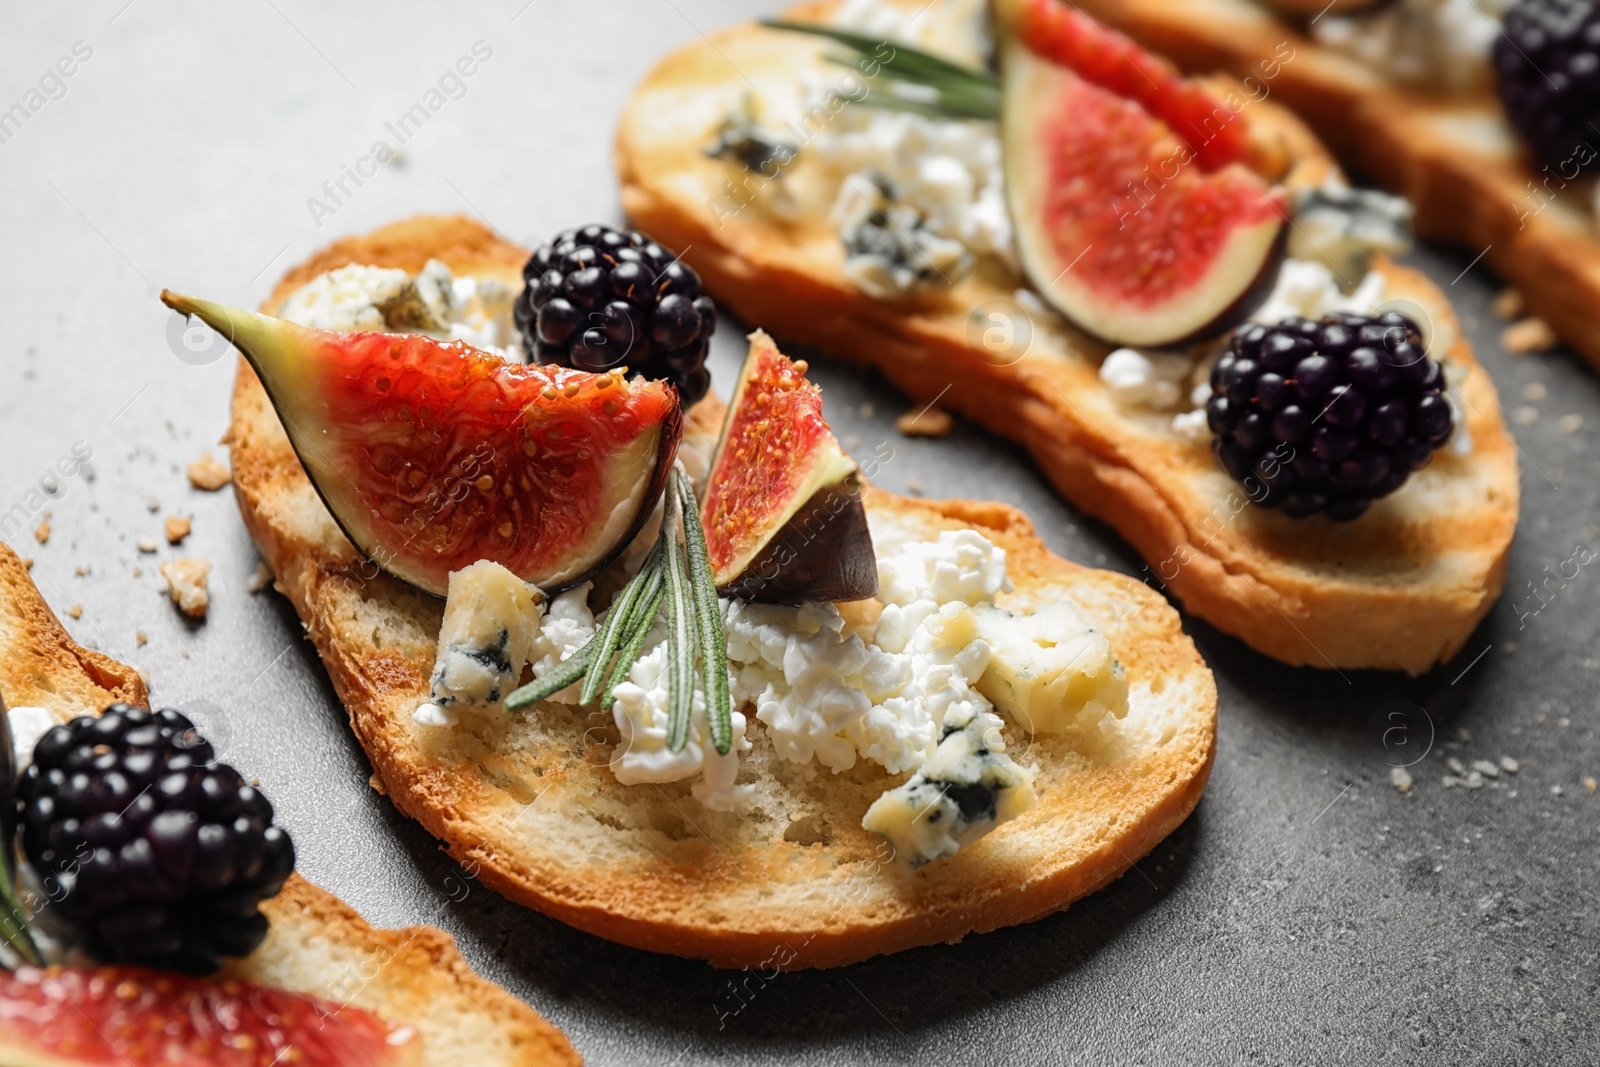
(708, 614)
(13, 923)
(620, 623)
(630, 651)
(676, 575)
(961, 92)
(682, 633)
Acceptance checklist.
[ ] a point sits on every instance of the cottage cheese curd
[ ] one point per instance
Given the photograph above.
(1442, 44)
(432, 302)
(28, 724)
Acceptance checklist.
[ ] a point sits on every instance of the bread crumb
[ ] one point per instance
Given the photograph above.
(867, 410)
(925, 422)
(1509, 304)
(852, 442)
(140, 638)
(1401, 779)
(138, 572)
(1525, 416)
(1590, 784)
(42, 533)
(147, 544)
(152, 505)
(80, 571)
(177, 528)
(1534, 392)
(261, 578)
(75, 612)
(207, 474)
(186, 582)
(1570, 423)
(27, 563)
(914, 487)
(1527, 336)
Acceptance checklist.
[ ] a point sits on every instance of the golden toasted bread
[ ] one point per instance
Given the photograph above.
(789, 881)
(1399, 589)
(317, 945)
(1453, 156)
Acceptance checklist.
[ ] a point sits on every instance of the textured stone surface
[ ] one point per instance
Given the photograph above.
(1309, 912)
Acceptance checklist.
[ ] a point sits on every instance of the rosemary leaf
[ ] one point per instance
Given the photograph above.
(906, 60)
(708, 614)
(655, 596)
(556, 679)
(619, 626)
(681, 650)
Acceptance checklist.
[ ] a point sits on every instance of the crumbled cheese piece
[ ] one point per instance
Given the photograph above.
(177, 528)
(434, 715)
(491, 618)
(929, 421)
(1308, 289)
(1400, 778)
(641, 716)
(435, 302)
(1440, 44)
(959, 566)
(1153, 380)
(1570, 423)
(186, 582)
(1050, 671)
(568, 624)
(28, 725)
(964, 790)
(1509, 764)
(1345, 228)
(208, 474)
(147, 544)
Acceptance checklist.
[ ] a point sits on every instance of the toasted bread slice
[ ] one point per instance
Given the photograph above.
(792, 881)
(317, 945)
(1399, 589)
(1453, 156)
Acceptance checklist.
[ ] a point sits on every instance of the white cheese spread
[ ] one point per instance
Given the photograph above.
(433, 302)
(1440, 44)
(28, 725)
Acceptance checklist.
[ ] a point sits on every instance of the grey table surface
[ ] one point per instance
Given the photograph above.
(1307, 912)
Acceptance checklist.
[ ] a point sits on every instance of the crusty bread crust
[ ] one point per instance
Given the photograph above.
(317, 944)
(531, 804)
(1454, 157)
(1401, 589)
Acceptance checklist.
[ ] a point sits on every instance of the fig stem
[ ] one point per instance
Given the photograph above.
(681, 632)
(619, 626)
(708, 614)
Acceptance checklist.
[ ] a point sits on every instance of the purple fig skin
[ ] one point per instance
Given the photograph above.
(823, 553)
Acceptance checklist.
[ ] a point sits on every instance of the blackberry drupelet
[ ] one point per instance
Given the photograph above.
(1327, 416)
(1547, 63)
(163, 855)
(598, 298)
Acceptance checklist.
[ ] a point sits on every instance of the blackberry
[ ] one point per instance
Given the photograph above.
(1327, 416)
(162, 855)
(597, 298)
(1547, 64)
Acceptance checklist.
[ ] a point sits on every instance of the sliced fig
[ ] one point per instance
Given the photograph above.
(1135, 214)
(782, 511)
(434, 455)
(132, 1017)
